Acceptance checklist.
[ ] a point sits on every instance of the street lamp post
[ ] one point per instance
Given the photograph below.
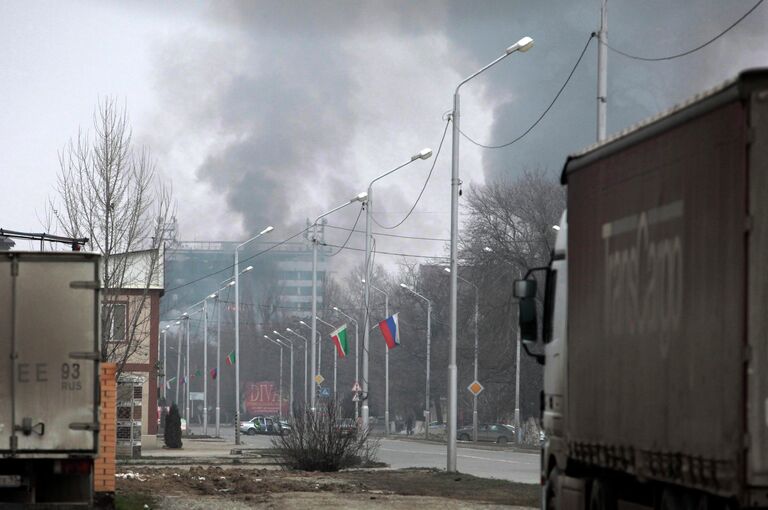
(290, 385)
(280, 399)
(363, 198)
(205, 364)
(357, 356)
(386, 364)
(306, 348)
(423, 154)
(523, 44)
(237, 329)
(187, 378)
(178, 360)
(335, 357)
(427, 413)
(165, 364)
(217, 309)
(474, 395)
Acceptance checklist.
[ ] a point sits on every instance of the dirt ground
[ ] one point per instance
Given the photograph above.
(240, 488)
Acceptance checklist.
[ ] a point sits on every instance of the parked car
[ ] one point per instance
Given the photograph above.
(495, 432)
(265, 425)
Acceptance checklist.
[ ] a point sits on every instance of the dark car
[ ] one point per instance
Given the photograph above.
(494, 432)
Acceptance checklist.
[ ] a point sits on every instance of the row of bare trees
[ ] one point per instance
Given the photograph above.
(508, 230)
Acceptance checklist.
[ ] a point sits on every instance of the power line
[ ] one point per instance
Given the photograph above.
(697, 48)
(557, 96)
(243, 260)
(402, 236)
(389, 252)
(351, 231)
(429, 176)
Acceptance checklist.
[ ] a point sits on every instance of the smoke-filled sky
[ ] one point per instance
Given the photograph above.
(271, 112)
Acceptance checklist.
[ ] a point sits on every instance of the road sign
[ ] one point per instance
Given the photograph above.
(325, 392)
(475, 388)
(356, 397)
(356, 387)
(319, 379)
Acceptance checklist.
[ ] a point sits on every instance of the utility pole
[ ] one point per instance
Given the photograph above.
(602, 71)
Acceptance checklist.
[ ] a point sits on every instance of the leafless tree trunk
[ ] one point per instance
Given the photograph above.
(108, 191)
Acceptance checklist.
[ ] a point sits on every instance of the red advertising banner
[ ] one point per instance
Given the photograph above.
(263, 398)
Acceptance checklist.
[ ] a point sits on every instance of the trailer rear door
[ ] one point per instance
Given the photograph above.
(49, 316)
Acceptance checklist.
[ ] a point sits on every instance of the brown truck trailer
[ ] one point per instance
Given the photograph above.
(656, 313)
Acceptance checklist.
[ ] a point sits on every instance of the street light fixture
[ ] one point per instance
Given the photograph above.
(237, 327)
(362, 198)
(522, 45)
(427, 413)
(422, 154)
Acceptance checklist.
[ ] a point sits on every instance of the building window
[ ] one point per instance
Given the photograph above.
(115, 318)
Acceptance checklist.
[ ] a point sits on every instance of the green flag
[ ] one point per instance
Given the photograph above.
(231, 358)
(339, 338)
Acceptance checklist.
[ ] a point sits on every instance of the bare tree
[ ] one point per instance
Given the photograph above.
(108, 191)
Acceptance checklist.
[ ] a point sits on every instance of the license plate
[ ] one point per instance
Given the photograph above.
(10, 480)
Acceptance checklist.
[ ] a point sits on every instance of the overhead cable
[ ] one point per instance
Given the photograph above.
(429, 176)
(551, 104)
(697, 48)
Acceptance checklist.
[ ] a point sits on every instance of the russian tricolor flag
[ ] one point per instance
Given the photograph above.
(390, 331)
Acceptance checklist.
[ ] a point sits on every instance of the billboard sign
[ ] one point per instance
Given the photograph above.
(263, 398)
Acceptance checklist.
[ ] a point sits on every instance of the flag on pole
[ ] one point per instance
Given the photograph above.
(184, 380)
(213, 373)
(231, 358)
(339, 338)
(168, 382)
(198, 373)
(390, 331)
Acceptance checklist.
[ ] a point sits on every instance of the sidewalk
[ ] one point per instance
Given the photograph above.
(210, 451)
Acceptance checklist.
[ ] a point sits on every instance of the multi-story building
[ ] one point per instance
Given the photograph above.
(280, 282)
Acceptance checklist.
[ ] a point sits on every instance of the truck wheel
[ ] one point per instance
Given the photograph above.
(601, 496)
(551, 491)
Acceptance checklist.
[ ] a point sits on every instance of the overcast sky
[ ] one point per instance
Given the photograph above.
(272, 112)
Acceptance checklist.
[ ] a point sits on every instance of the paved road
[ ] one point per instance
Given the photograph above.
(504, 463)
